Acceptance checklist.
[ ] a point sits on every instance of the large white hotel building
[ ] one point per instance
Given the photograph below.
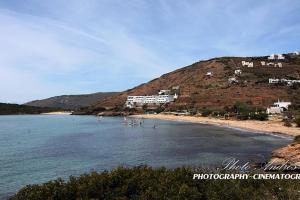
(132, 101)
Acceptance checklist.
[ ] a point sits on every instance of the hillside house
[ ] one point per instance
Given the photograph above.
(297, 53)
(209, 74)
(273, 81)
(248, 64)
(233, 80)
(283, 105)
(278, 65)
(164, 92)
(286, 81)
(270, 64)
(263, 63)
(273, 110)
(278, 107)
(276, 56)
(237, 72)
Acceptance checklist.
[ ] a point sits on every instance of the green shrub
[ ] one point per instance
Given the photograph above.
(262, 116)
(287, 123)
(206, 112)
(145, 183)
(297, 121)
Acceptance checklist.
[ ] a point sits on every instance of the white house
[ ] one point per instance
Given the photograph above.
(278, 65)
(164, 92)
(270, 63)
(263, 63)
(296, 53)
(278, 107)
(273, 110)
(248, 64)
(237, 72)
(280, 57)
(283, 80)
(273, 81)
(232, 80)
(209, 74)
(276, 56)
(282, 104)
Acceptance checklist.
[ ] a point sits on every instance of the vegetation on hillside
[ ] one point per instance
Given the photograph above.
(240, 110)
(12, 109)
(145, 183)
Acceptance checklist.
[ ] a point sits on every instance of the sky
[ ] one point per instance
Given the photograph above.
(50, 48)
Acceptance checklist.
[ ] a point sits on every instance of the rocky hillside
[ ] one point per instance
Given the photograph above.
(72, 102)
(197, 90)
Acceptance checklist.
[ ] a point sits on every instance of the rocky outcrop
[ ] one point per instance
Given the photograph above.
(289, 154)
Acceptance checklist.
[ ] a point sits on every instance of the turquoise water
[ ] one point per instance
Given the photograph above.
(38, 148)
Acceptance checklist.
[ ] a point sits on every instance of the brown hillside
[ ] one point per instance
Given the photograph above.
(73, 102)
(197, 90)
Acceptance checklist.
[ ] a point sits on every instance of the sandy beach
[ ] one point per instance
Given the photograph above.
(57, 113)
(270, 126)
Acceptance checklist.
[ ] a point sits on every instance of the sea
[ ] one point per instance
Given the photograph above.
(38, 148)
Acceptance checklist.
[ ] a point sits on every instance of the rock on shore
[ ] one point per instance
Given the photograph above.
(289, 154)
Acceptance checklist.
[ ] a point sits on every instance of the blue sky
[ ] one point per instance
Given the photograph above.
(57, 47)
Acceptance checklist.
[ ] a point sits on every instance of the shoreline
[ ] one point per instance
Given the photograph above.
(57, 113)
(268, 127)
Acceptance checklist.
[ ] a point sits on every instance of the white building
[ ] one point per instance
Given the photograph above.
(263, 63)
(296, 53)
(273, 81)
(209, 74)
(278, 107)
(161, 92)
(283, 80)
(176, 87)
(273, 110)
(232, 80)
(132, 101)
(237, 72)
(282, 104)
(248, 64)
(276, 56)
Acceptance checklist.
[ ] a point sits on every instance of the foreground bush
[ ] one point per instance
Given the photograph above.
(145, 183)
(297, 121)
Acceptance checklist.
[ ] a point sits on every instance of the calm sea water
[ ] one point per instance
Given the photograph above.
(39, 148)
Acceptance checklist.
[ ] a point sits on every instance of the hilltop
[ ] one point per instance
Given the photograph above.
(71, 102)
(199, 91)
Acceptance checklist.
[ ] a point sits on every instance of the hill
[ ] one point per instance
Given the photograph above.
(199, 91)
(71, 102)
(15, 109)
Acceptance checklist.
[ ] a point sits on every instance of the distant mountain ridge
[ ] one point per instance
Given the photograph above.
(71, 102)
(16, 109)
(199, 91)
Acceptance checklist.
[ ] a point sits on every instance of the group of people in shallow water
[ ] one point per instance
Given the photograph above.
(131, 122)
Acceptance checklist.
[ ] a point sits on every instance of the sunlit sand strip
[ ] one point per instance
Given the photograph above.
(271, 126)
(57, 113)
